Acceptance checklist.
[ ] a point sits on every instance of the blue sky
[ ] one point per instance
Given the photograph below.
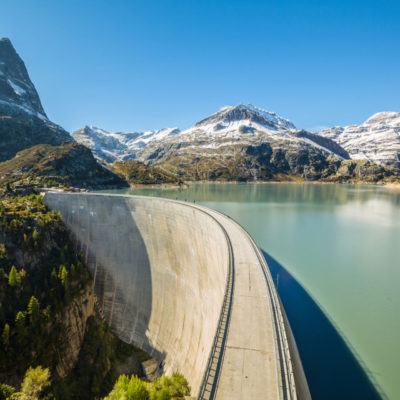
(138, 65)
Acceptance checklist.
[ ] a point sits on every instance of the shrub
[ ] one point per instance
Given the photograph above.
(129, 389)
(35, 381)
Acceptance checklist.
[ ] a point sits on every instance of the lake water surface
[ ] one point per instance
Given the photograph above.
(337, 247)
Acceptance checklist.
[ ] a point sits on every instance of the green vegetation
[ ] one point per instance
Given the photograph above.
(363, 171)
(34, 242)
(35, 382)
(136, 172)
(6, 391)
(263, 164)
(68, 164)
(42, 279)
(100, 359)
(174, 387)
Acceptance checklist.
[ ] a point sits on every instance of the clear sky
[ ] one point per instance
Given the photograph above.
(137, 65)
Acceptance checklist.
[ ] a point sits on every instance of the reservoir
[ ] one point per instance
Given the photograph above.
(334, 253)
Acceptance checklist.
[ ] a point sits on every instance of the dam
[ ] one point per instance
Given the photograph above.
(189, 286)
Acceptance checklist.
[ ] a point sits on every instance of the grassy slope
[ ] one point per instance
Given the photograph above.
(69, 164)
(239, 167)
(136, 172)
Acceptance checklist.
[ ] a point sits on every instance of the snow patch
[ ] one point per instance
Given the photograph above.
(17, 89)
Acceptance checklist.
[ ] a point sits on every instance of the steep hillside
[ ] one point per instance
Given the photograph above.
(376, 140)
(16, 88)
(47, 307)
(31, 146)
(69, 164)
(136, 172)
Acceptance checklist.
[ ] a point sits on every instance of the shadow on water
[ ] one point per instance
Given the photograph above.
(332, 371)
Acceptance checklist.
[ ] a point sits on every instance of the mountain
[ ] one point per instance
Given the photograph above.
(33, 148)
(267, 143)
(377, 139)
(138, 173)
(244, 143)
(116, 146)
(16, 88)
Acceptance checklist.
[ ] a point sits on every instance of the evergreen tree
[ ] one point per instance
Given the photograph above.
(13, 278)
(5, 336)
(34, 310)
(20, 325)
(64, 276)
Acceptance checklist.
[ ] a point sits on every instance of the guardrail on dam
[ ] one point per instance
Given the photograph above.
(189, 286)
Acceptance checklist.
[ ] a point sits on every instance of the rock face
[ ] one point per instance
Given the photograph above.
(118, 146)
(23, 122)
(16, 88)
(74, 320)
(377, 139)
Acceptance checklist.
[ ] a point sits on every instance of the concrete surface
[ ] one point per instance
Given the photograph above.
(161, 271)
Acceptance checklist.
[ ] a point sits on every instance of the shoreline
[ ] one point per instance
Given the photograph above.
(389, 185)
(386, 184)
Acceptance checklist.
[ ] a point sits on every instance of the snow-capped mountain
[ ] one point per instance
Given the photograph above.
(377, 139)
(232, 125)
(23, 121)
(32, 148)
(234, 116)
(247, 124)
(255, 143)
(16, 88)
(115, 146)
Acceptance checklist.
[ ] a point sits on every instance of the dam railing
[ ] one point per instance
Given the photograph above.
(211, 375)
(287, 378)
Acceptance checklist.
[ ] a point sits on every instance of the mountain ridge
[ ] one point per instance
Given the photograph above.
(377, 139)
(16, 86)
(33, 148)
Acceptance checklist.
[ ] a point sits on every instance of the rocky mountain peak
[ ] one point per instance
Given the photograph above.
(385, 117)
(16, 88)
(247, 112)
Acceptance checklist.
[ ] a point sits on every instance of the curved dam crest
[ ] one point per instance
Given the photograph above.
(161, 273)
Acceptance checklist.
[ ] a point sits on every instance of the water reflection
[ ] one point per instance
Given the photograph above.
(332, 370)
(341, 242)
(307, 193)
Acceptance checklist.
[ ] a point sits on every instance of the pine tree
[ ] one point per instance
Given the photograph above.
(64, 276)
(34, 310)
(5, 336)
(20, 325)
(13, 278)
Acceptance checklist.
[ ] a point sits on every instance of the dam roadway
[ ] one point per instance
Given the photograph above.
(189, 286)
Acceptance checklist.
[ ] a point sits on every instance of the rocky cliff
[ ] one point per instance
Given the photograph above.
(24, 125)
(376, 140)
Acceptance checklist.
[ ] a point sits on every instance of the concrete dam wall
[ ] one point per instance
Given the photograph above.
(189, 286)
(159, 270)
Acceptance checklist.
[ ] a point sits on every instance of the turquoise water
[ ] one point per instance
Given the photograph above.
(340, 242)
